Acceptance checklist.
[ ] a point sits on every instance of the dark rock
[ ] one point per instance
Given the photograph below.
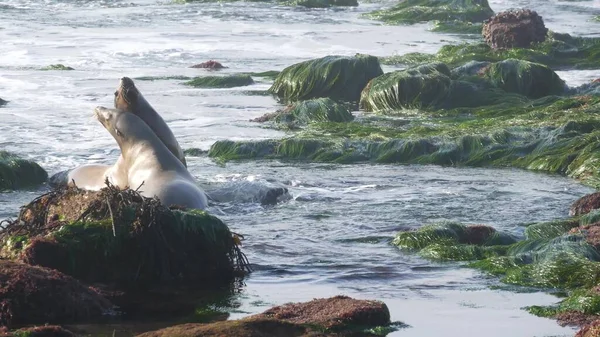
(514, 29)
(3, 102)
(36, 295)
(209, 65)
(250, 192)
(335, 316)
(585, 204)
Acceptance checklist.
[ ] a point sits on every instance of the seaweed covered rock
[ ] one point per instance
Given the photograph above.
(585, 204)
(36, 295)
(514, 29)
(340, 78)
(118, 236)
(208, 65)
(323, 3)
(228, 81)
(305, 112)
(580, 307)
(414, 11)
(526, 78)
(558, 50)
(263, 192)
(16, 172)
(452, 241)
(39, 331)
(335, 316)
(57, 67)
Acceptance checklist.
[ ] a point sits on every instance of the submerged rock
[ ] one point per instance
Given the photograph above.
(414, 11)
(340, 78)
(305, 112)
(585, 204)
(208, 65)
(36, 295)
(228, 81)
(335, 316)
(3, 102)
(324, 3)
(514, 29)
(250, 192)
(16, 173)
(525, 78)
(118, 236)
(57, 67)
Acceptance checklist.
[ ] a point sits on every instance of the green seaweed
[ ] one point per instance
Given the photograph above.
(526, 78)
(582, 300)
(314, 110)
(558, 51)
(340, 78)
(163, 78)
(18, 173)
(590, 218)
(57, 67)
(551, 229)
(322, 3)
(271, 74)
(414, 11)
(457, 27)
(228, 81)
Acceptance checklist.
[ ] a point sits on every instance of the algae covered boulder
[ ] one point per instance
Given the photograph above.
(118, 236)
(36, 295)
(16, 172)
(313, 110)
(340, 78)
(57, 67)
(39, 331)
(414, 11)
(324, 3)
(514, 29)
(585, 204)
(335, 316)
(228, 81)
(526, 78)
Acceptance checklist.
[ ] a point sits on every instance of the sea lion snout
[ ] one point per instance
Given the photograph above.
(102, 114)
(126, 83)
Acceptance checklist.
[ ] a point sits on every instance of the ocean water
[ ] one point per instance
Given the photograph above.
(333, 236)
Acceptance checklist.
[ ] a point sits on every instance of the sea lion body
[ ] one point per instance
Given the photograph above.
(93, 176)
(151, 167)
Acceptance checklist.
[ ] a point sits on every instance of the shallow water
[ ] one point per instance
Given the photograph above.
(333, 236)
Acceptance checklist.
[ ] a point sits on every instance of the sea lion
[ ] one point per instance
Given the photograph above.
(150, 167)
(93, 176)
(129, 98)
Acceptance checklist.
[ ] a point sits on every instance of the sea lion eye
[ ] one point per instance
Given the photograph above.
(118, 132)
(116, 93)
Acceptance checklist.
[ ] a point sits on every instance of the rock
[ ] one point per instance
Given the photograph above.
(590, 232)
(415, 11)
(209, 65)
(17, 173)
(305, 112)
(3, 102)
(335, 316)
(262, 192)
(526, 78)
(590, 330)
(40, 331)
(117, 236)
(34, 295)
(585, 204)
(514, 29)
(57, 67)
(576, 318)
(340, 78)
(229, 81)
(324, 3)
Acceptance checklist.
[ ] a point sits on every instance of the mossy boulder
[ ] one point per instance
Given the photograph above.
(557, 51)
(118, 236)
(16, 173)
(414, 11)
(340, 78)
(324, 3)
(457, 27)
(36, 295)
(313, 110)
(227, 81)
(514, 29)
(526, 78)
(335, 316)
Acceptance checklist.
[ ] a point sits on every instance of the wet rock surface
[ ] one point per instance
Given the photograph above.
(209, 65)
(585, 204)
(514, 29)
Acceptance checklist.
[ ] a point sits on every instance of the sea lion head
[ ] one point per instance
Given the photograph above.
(124, 126)
(126, 95)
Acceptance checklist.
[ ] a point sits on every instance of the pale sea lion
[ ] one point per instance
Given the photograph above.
(150, 167)
(93, 176)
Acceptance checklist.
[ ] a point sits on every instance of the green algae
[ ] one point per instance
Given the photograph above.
(558, 51)
(582, 300)
(271, 74)
(314, 110)
(590, 218)
(163, 78)
(340, 78)
(457, 27)
(414, 11)
(526, 78)
(18, 173)
(550, 229)
(57, 67)
(322, 3)
(228, 81)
